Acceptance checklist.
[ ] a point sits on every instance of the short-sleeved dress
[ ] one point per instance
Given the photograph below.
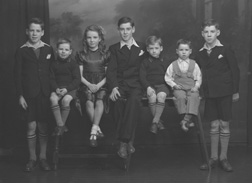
(94, 70)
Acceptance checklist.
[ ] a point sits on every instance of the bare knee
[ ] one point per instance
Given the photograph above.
(99, 102)
(31, 128)
(215, 126)
(66, 100)
(89, 104)
(161, 97)
(54, 98)
(224, 127)
(152, 98)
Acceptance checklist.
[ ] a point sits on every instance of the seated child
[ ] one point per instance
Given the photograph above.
(184, 76)
(64, 80)
(92, 60)
(152, 73)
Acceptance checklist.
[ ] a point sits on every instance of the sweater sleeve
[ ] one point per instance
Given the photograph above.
(234, 69)
(18, 72)
(112, 70)
(143, 75)
(76, 77)
(53, 82)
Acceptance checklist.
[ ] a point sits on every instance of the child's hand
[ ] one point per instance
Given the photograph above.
(177, 87)
(114, 94)
(92, 88)
(23, 103)
(235, 97)
(58, 91)
(194, 89)
(150, 91)
(63, 91)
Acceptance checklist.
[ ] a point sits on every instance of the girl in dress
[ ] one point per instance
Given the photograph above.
(92, 63)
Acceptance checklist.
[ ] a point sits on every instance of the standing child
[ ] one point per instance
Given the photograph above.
(184, 76)
(152, 73)
(220, 87)
(92, 63)
(65, 79)
(33, 61)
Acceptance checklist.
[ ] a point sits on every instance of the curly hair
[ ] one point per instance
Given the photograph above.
(101, 33)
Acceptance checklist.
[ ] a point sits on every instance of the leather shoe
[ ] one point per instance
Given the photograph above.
(212, 163)
(161, 125)
(31, 165)
(225, 165)
(44, 165)
(154, 128)
(122, 152)
(131, 148)
(100, 134)
(93, 141)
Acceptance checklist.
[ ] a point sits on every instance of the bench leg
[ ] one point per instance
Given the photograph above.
(127, 162)
(202, 141)
(55, 158)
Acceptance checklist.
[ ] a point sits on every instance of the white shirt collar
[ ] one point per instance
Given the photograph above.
(180, 60)
(132, 42)
(217, 43)
(29, 45)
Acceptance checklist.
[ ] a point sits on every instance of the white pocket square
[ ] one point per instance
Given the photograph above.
(48, 56)
(141, 53)
(220, 56)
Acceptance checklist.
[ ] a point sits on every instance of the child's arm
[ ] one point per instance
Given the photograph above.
(76, 77)
(92, 87)
(235, 72)
(197, 77)
(169, 79)
(18, 77)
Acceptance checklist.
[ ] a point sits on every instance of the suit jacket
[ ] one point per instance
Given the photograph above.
(220, 72)
(123, 67)
(32, 73)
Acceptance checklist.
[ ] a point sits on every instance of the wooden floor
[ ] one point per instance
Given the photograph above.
(172, 164)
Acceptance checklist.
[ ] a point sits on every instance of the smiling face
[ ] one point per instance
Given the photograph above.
(34, 33)
(183, 51)
(210, 34)
(154, 49)
(126, 31)
(93, 39)
(64, 50)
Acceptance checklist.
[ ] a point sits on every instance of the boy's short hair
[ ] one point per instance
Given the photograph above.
(63, 41)
(152, 40)
(36, 21)
(125, 20)
(183, 41)
(210, 22)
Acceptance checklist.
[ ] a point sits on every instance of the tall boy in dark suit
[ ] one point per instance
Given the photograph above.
(33, 61)
(220, 84)
(123, 80)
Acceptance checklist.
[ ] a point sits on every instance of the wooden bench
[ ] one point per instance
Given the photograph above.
(126, 162)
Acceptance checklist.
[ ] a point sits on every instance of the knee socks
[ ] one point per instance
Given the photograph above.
(224, 141)
(57, 115)
(64, 113)
(32, 140)
(159, 110)
(215, 137)
(152, 107)
(43, 138)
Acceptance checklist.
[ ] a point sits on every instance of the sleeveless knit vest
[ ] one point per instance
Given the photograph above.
(186, 80)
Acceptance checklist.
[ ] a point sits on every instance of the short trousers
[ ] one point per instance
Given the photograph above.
(219, 108)
(161, 88)
(38, 109)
